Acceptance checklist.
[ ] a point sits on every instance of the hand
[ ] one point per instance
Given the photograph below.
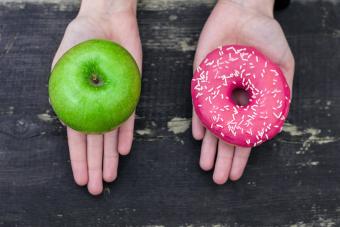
(94, 157)
(245, 22)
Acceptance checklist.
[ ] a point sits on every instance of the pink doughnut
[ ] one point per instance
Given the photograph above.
(240, 67)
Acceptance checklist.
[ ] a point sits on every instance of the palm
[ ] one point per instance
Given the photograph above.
(231, 23)
(95, 157)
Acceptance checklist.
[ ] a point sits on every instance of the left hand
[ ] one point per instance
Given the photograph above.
(244, 22)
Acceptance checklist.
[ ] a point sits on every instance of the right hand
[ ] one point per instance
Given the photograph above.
(94, 157)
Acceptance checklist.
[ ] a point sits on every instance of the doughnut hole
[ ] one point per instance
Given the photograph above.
(240, 96)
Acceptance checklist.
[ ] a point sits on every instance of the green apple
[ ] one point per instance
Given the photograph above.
(95, 86)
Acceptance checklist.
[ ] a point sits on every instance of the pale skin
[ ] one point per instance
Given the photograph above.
(94, 157)
(245, 22)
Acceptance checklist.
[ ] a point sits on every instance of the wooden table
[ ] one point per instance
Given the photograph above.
(291, 180)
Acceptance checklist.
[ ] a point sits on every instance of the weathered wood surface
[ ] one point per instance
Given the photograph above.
(291, 180)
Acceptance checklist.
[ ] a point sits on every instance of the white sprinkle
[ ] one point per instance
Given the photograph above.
(277, 116)
(233, 132)
(199, 94)
(275, 91)
(233, 59)
(279, 106)
(209, 100)
(198, 87)
(231, 48)
(275, 72)
(242, 56)
(235, 110)
(210, 63)
(260, 133)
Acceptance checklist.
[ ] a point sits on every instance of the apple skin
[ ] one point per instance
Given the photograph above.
(95, 86)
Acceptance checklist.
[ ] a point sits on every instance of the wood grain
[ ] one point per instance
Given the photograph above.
(291, 180)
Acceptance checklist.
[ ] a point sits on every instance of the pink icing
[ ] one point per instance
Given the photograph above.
(234, 66)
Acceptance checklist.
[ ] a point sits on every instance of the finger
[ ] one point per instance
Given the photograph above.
(197, 127)
(223, 162)
(77, 147)
(288, 66)
(203, 48)
(134, 45)
(66, 44)
(288, 71)
(94, 162)
(125, 136)
(239, 162)
(111, 156)
(208, 151)
(135, 49)
(69, 39)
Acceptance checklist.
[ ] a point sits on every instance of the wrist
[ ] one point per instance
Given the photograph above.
(107, 8)
(265, 7)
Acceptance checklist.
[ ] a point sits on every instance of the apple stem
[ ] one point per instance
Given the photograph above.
(95, 79)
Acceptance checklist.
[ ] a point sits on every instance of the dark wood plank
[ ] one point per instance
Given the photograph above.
(291, 180)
